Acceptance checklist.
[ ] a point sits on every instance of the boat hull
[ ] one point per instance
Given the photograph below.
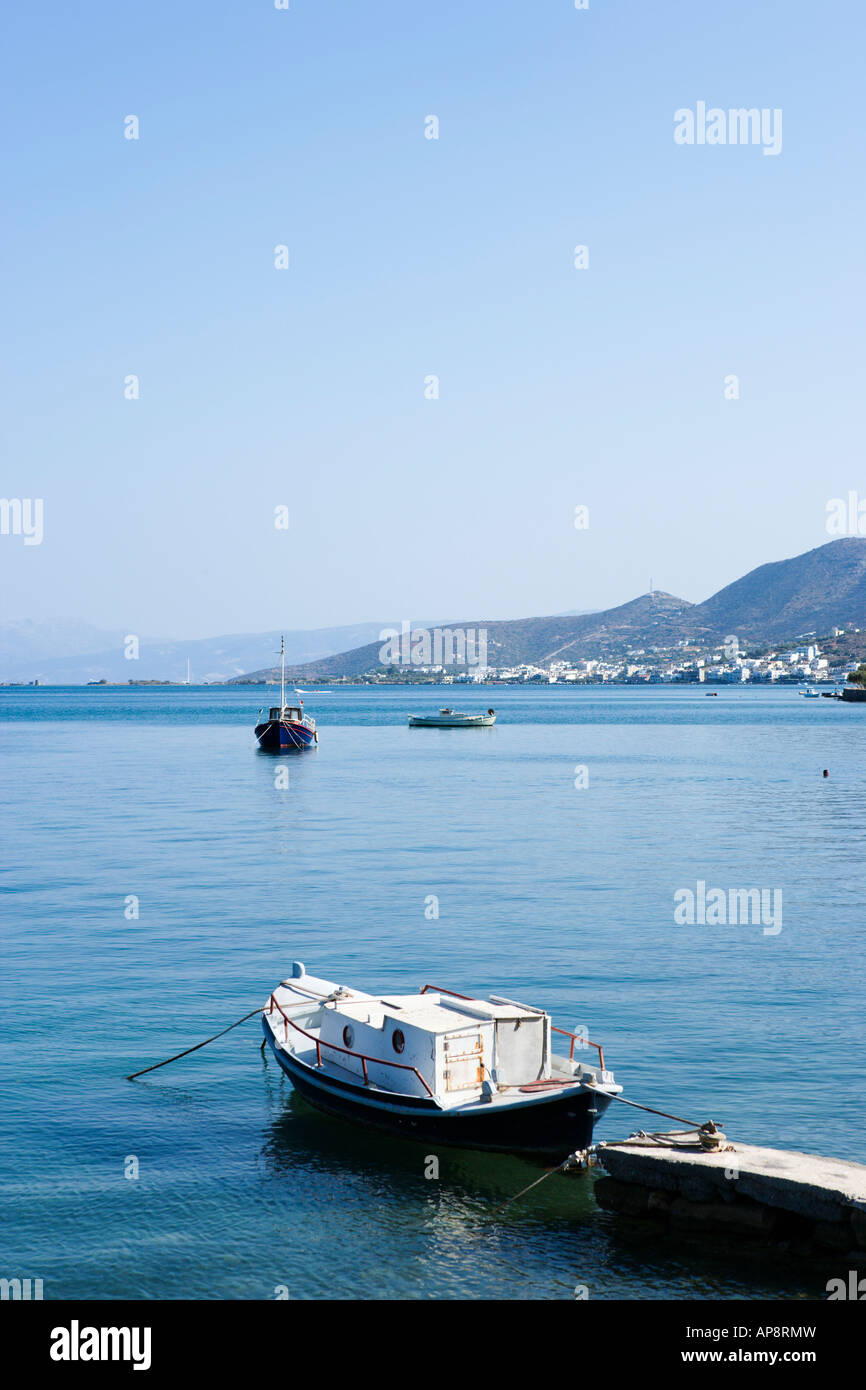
(481, 721)
(546, 1126)
(281, 736)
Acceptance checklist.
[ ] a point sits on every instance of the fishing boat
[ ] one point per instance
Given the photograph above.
(452, 719)
(437, 1065)
(286, 726)
(810, 693)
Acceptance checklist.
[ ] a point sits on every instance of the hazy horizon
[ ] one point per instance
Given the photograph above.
(154, 641)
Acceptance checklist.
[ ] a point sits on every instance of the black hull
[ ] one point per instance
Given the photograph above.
(545, 1127)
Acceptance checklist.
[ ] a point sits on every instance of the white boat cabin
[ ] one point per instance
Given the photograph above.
(453, 1045)
(286, 712)
(435, 1043)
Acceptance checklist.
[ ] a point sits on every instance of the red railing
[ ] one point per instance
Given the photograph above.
(362, 1058)
(575, 1037)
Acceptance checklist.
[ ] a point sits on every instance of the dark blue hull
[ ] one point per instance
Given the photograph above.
(282, 736)
(551, 1127)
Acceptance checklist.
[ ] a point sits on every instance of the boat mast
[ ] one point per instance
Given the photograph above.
(282, 674)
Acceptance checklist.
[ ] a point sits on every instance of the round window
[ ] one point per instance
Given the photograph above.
(348, 1036)
(398, 1042)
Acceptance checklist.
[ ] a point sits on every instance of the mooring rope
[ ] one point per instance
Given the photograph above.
(574, 1159)
(188, 1050)
(648, 1108)
(323, 999)
(549, 1174)
(673, 1139)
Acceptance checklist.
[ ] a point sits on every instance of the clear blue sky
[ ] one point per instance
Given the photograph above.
(409, 257)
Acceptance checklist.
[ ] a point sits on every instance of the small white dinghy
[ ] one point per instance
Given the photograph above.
(438, 1065)
(452, 719)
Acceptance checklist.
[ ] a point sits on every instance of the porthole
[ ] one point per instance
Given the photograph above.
(398, 1042)
(348, 1036)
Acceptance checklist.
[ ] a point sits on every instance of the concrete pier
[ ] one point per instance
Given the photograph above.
(774, 1195)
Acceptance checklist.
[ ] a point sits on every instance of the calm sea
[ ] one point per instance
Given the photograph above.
(553, 844)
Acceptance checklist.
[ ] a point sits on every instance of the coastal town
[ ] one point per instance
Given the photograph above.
(683, 664)
(810, 664)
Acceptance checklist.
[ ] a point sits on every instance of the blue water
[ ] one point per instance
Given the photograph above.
(556, 894)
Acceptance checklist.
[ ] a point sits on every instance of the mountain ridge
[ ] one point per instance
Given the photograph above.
(805, 594)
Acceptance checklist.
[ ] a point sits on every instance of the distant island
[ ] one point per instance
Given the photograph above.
(103, 681)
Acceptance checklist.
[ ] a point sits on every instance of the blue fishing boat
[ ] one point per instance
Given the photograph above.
(286, 727)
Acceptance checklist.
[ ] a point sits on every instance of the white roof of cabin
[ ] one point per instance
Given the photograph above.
(438, 1013)
(482, 1008)
(417, 1010)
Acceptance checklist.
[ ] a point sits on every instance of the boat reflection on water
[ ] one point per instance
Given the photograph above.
(305, 1144)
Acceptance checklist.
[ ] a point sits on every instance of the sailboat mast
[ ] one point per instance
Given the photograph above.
(282, 674)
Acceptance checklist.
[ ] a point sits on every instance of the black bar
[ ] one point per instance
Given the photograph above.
(283, 1338)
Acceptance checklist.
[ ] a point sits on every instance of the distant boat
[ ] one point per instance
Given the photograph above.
(286, 726)
(452, 719)
(810, 693)
(438, 1066)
